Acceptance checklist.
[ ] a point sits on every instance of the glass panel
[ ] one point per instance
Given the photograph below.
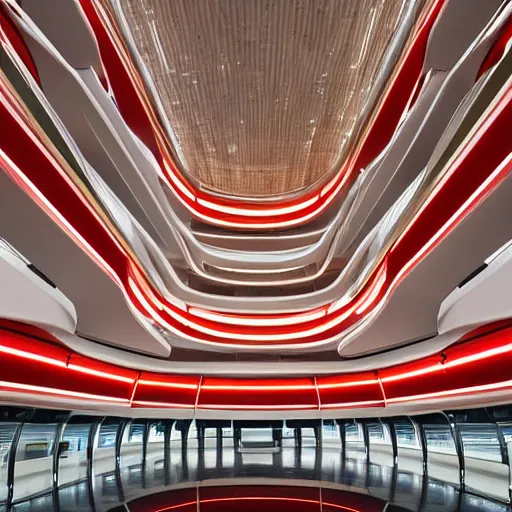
(73, 462)
(440, 497)
(406, 435)
(136, 432)
(481, 441)
(107, 436)
(410, 454)
(353, 432)
(156, 433)
(210, 433)
(155, 455)
(6, 434)
(257, 435)
(39, 504)
(104, 463)
(408, 489)
(308, 437)
(74, 497)
(330, 431)
(376, 433)
(131, 457)
(506, 429)
(472, 503)
(354, 437)
(33, 467)
(440, 439)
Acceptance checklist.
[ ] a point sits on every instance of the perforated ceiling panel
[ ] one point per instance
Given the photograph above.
(260, 97)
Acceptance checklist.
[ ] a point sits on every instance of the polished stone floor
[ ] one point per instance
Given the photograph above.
(223, 478)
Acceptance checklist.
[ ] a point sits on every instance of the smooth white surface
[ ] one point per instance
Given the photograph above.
(27, 298)
(485, 299)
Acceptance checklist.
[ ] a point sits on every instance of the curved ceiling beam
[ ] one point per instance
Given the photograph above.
(337, 317)
(478, 367)
(319, 255)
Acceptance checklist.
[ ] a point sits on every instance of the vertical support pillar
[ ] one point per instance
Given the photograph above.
(93, 431)
(167, 451)
(277, 436)
(509, 455)
(318, 434)
(219, 447)
(298, 447)
(459, 447)
(420, 434)
(119, 441)
(237, 440)
(343, 440)
(56, 452)
(184, 426)
(145, 440)
(505, 459)
(200, 436)
(298, 438)
(394, 447)
(11, 462)
(237, 437)
(366, 442)
(318, 429)
(201, 429)
(184, 440)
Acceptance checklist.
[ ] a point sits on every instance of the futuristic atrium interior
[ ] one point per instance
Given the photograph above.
(256, 255)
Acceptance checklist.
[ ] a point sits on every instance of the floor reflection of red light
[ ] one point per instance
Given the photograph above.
(234, 501)
(257, 498)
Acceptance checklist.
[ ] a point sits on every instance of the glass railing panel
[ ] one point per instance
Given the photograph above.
(33, 470)
(73, 462)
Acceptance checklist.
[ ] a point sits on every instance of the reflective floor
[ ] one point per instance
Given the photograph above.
(80, 463)
(305, 478)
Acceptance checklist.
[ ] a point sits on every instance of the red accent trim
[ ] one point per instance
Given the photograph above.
(362, 390)
(475, 367)
(391, 109)
(497, 50)
(169, 390)
(29, 330)
(254, 498)
(243, 394)
(9, 31)
(480, 158)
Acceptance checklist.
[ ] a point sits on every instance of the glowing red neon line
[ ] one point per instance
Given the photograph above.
(287, 407)
(451, 392)
(98, 373)
(31, 356)
(55, 391)
(167, 405)
(168, 384)
(343, 405)
(257, 498)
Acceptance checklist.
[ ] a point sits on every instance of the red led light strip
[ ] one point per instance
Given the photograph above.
(257, 498)
(314, 327)
(471, 367)
(322, 325)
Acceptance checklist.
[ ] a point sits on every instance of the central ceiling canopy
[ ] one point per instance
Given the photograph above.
(259, 97)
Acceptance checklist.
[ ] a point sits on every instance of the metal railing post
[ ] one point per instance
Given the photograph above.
(11, 461)
(93, 431)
